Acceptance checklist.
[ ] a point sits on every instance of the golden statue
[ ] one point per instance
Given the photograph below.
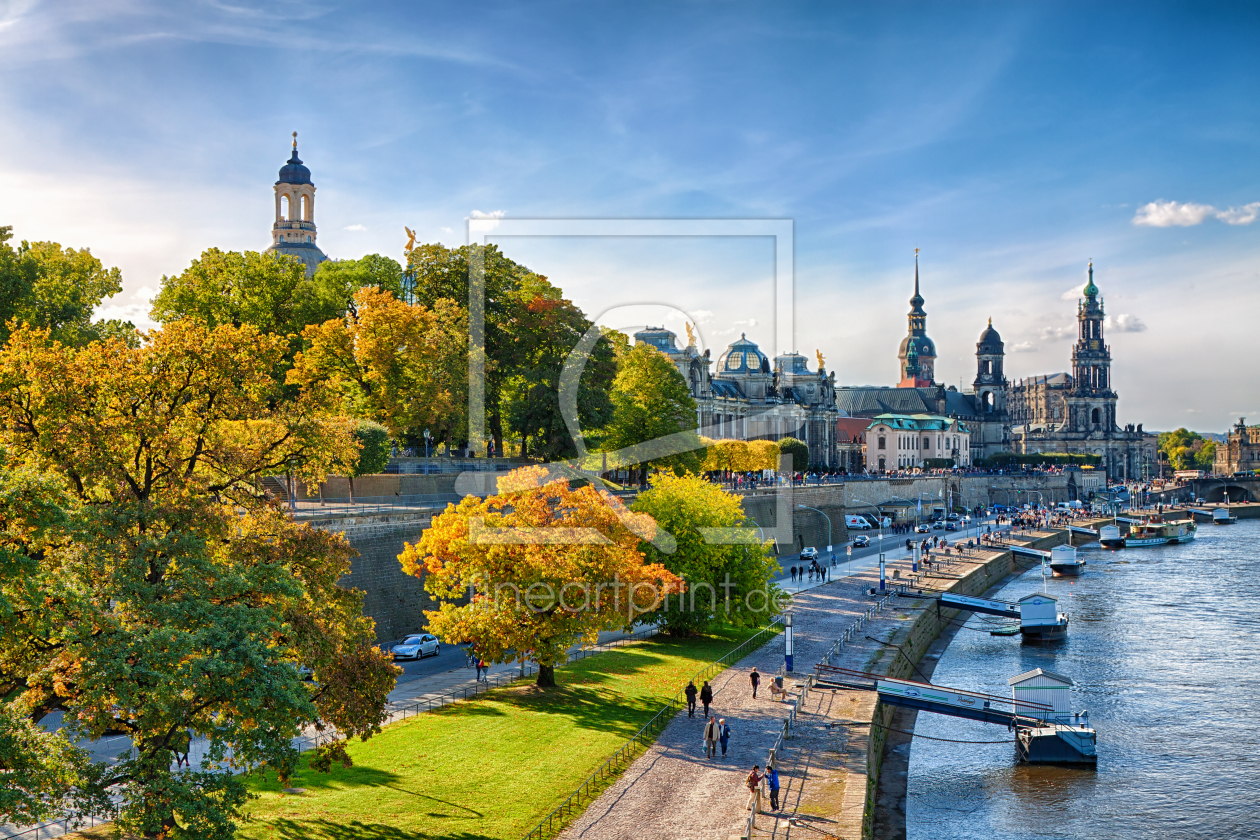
(821, 360)
(691, 336)
(295, 141)
(411, 240)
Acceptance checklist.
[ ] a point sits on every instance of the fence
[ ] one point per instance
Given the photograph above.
(596, 782)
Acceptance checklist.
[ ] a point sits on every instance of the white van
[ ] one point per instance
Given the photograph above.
(856, 523)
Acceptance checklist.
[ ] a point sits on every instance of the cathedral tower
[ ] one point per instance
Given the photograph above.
(294, 230)
(1092, 402)
(924, 370)
(990, 383)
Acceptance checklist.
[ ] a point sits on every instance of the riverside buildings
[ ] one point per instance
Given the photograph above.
(1241, 450)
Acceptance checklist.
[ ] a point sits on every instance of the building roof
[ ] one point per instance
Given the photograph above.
(850, 429)
(660, 338)
(742, 357)
(1039, 672)
(917, 422)
(1039, 595)
(868, 401)
(990, 342)
(924, 346)
(294, 172)
(1046, 379)
(726, 388)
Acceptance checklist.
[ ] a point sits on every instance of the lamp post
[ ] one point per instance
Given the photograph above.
(880, 516)
(426, 447)
(787, 641)
(825, 516)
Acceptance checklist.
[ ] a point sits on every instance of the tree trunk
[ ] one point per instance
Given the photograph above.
(351, 479)
(546, 676)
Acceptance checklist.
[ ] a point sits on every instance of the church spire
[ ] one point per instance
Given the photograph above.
(1091, 291)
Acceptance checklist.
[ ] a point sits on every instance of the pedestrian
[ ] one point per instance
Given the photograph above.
(690, 691)
(724, 735)
(483, 670)
(755, 679)
(754, 779)
(712, 732)
(793, 574)
(479, 667)
(772, 779)
(706, 697)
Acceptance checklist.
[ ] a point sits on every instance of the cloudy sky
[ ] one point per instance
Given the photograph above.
(1011, 143)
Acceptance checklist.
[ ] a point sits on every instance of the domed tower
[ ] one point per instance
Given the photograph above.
(924, 350)
(1093, 401)
(990, 383)
(294, 230)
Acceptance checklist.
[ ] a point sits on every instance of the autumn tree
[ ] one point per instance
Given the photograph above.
(402, 366)
(799, 452)
(654, 412)
(1187, 450)
(551, 566)
(729, 574)
(46, 286)
(161, 597)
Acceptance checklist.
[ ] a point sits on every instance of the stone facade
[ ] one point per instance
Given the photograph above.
(746, 398)
(1241, 450)
(904, 442)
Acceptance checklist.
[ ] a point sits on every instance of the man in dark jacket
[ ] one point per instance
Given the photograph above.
(772, 780)
(755, 679)
(690, 692)
(706, 697)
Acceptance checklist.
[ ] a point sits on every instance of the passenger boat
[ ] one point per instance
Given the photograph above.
(1064, 562)
(1155, 531)
(1221, 516)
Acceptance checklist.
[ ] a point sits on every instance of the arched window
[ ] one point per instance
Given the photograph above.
(1094, 417)
(306, 208)
(284, 207)
(988, 400)
(881, 442)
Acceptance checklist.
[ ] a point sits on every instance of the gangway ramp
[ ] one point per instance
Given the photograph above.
(1023, 551)
(1005, 609)
(1080, 529)
(940, 700)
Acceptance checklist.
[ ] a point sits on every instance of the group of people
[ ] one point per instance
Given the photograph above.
(717, 734)
(815, 571)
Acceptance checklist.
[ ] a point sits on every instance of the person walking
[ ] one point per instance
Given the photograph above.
(706, 697)
(483, 670)
(712, 733)
(724, 735)
(755, 679)
(479, 665)
(793, 574)
(772, 780)
(690, 692)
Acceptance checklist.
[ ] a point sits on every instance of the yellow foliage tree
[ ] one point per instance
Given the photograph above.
(551, 567)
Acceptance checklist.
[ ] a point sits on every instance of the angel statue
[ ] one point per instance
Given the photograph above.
(691, 336)
(821, 360)
(411, 240)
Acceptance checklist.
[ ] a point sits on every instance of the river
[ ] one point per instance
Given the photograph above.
(1164, 647)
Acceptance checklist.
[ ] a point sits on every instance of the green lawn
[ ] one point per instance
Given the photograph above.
(488, 768)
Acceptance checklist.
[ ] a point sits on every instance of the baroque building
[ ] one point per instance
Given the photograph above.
(1076, 412)
(904, 442)
(1241, 450)
(982, 410)
(746, 396)
(293, 232)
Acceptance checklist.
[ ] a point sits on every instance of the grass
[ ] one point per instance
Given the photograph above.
(490, 768)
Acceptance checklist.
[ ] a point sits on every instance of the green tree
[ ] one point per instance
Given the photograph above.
(651, 401)
(726, 584)
(798, 450)
(54, 288)
(168, 601)
(373, 455)
(1187, 450)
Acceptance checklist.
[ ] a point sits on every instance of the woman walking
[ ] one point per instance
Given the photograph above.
(706, 697)
(712, 734)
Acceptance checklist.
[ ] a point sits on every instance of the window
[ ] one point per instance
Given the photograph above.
(881, 443)
(927, 442)
(1094, 417)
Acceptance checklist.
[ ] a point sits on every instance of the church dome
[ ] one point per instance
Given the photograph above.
(922, 345)
(294, 172)
(990, 341)
(742, 357)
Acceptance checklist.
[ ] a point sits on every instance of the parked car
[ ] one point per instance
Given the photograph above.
(922, 529)
(951, 526)
(862, 541)
(809, 553)
(417, 647)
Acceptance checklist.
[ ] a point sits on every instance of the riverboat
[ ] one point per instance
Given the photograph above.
(1221, 516)
(1109, 536)
(1064, 562)
(1155, 531)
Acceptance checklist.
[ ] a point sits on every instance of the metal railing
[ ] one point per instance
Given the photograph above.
(596, 782)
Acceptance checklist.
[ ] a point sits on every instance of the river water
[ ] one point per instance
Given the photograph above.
(1164, 647)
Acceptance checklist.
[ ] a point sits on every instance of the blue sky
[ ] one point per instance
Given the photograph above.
(1010, 142)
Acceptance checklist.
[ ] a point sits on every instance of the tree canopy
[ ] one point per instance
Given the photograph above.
(551, 566)
(46, 286)
(651, 401)
(160, 596)
(727, 583)
(799, 451)
(1187, 450)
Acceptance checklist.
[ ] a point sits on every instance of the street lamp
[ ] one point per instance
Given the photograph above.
(825, 516)
(426, 445)
(879, 514)
(787, 641)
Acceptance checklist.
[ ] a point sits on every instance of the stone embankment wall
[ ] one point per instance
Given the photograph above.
(869, 731)
(394, 600)
(856, 497)
(376, 486)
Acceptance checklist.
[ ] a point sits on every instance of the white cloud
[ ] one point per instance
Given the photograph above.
(1023, 347)
(1058, 333)
(1244, 215)
(1125, 323)
(1074, 293)
(354, 227)
(144, 293)
(1172, 214)
(1175, 214)
(493, 214)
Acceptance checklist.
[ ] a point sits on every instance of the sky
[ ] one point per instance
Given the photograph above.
(1010, 142)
